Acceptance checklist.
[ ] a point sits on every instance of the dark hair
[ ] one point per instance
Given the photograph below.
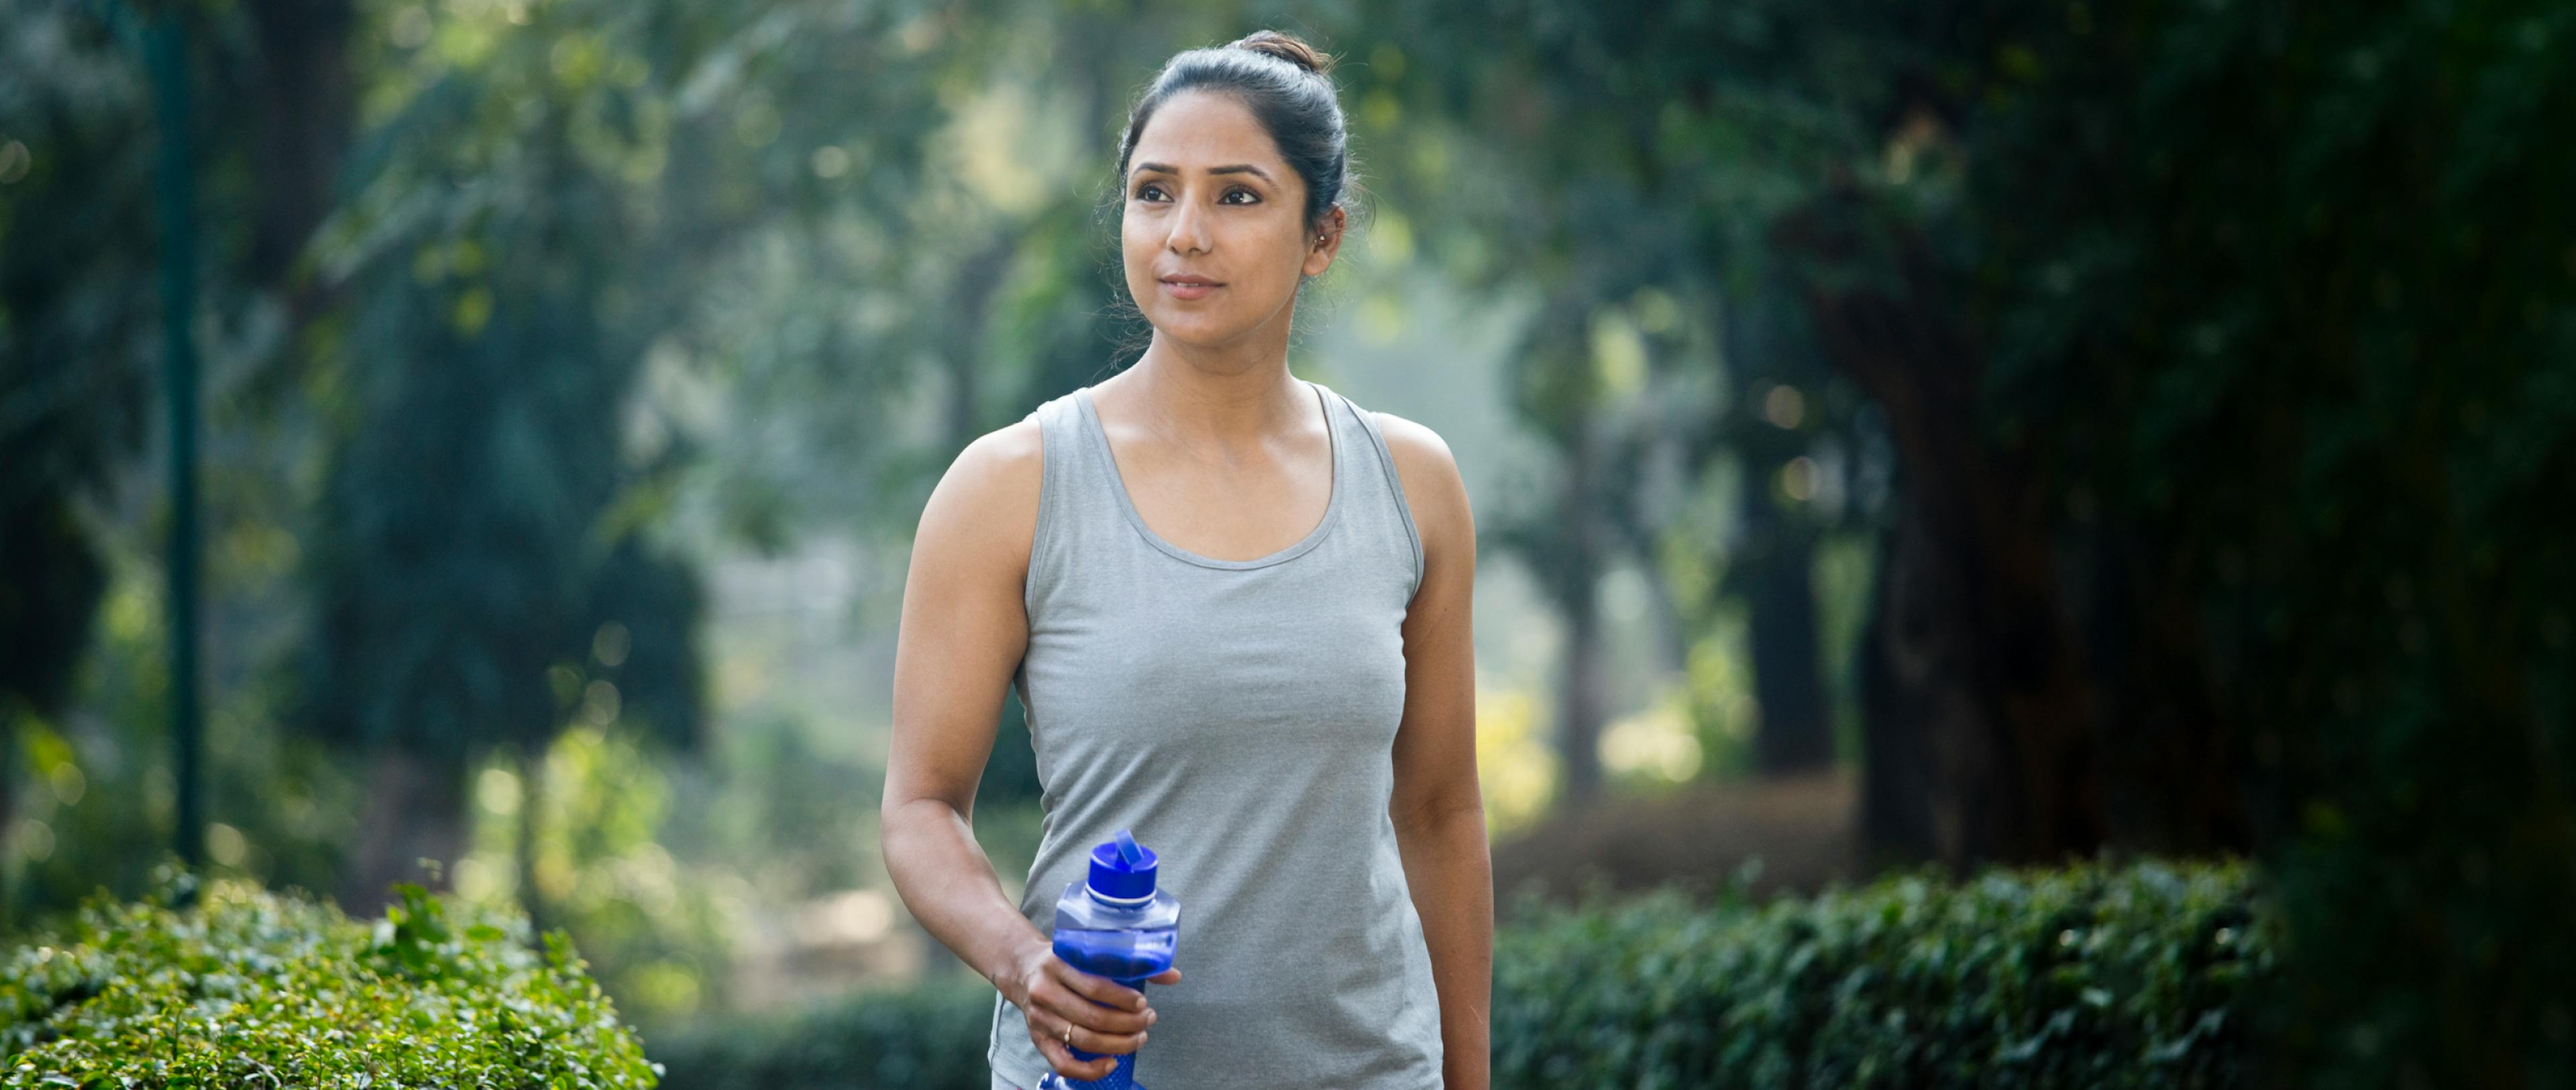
(1287, 86)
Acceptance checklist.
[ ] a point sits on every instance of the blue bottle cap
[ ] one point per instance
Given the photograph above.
(1122, 871)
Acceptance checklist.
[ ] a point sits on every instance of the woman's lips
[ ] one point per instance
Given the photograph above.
(1187, 290)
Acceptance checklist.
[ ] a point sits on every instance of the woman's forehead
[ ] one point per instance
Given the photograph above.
(1196, 131)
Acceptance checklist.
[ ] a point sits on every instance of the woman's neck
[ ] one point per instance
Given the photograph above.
(1208, 410)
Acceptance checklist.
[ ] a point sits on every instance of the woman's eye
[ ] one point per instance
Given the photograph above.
(1151, 190)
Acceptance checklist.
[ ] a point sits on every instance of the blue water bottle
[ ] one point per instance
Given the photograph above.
(1115, 924)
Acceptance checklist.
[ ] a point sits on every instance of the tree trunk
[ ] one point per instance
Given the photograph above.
(1794, 735)
(531, 756)
(1927, 780)
(10, 728)
(1775, 555)
(415, 810)
(1578, 707)
(1577, 590)
(2174, 785)
(1983, 658)
(967, 360)
(307, 111)
(1896, 777)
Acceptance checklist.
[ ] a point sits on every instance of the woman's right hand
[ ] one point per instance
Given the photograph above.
(1105, 1016)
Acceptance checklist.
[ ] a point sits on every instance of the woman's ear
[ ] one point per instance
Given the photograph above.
(1327, 241)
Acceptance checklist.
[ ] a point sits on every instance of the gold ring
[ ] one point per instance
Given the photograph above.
(1068, 1035)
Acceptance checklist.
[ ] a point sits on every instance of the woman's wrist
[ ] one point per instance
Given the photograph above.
(1004, 972)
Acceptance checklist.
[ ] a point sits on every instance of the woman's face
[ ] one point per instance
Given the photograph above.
(1208, 197)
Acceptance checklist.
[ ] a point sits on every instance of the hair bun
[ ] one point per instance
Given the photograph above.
(1286, 47)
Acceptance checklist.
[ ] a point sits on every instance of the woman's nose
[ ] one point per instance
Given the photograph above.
(1189, 229)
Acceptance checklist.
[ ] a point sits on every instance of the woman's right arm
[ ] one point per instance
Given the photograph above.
(963, 632)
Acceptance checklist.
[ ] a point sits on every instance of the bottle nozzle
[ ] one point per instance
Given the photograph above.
(1122, 871)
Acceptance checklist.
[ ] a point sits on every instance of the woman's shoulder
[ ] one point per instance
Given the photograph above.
(1014, 449)
(1434, 491)
(1416, 448)
(987, 503)
(1005, 463)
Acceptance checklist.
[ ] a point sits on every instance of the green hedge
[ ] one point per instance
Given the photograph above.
(252, 989)
(926, 1038)
(2088, 976)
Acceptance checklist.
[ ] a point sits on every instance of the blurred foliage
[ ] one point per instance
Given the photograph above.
(76, 322)
(2094, 975)
(931, 1037)
(2292, 312)
(490, 328)
(1566, 154)
(659, 930)
(1514, 766)
(247, 987)
(97, 799)
(2272, 306)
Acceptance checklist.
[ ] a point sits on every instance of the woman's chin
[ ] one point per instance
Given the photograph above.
(1195, 330)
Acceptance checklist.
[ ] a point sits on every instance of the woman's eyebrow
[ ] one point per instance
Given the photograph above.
(1238, 168)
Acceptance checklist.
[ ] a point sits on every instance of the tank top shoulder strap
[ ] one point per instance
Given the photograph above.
(1390, 514)
(1069, 494)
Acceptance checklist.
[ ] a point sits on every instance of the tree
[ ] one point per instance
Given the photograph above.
(2226, 351)
(481, 574)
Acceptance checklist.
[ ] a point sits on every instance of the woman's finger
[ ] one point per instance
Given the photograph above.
(1104, 991)
(1095, 1028)
(1089, 1034)
(1167, 976)
(1061, 1058)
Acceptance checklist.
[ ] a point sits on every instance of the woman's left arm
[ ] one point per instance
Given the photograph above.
(1438, 808)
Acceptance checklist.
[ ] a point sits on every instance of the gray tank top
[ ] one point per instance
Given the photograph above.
(1240, 717)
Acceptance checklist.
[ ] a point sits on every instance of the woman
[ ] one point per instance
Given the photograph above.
(1236, 609)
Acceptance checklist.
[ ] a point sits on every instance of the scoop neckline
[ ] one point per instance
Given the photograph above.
(1127, 504)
